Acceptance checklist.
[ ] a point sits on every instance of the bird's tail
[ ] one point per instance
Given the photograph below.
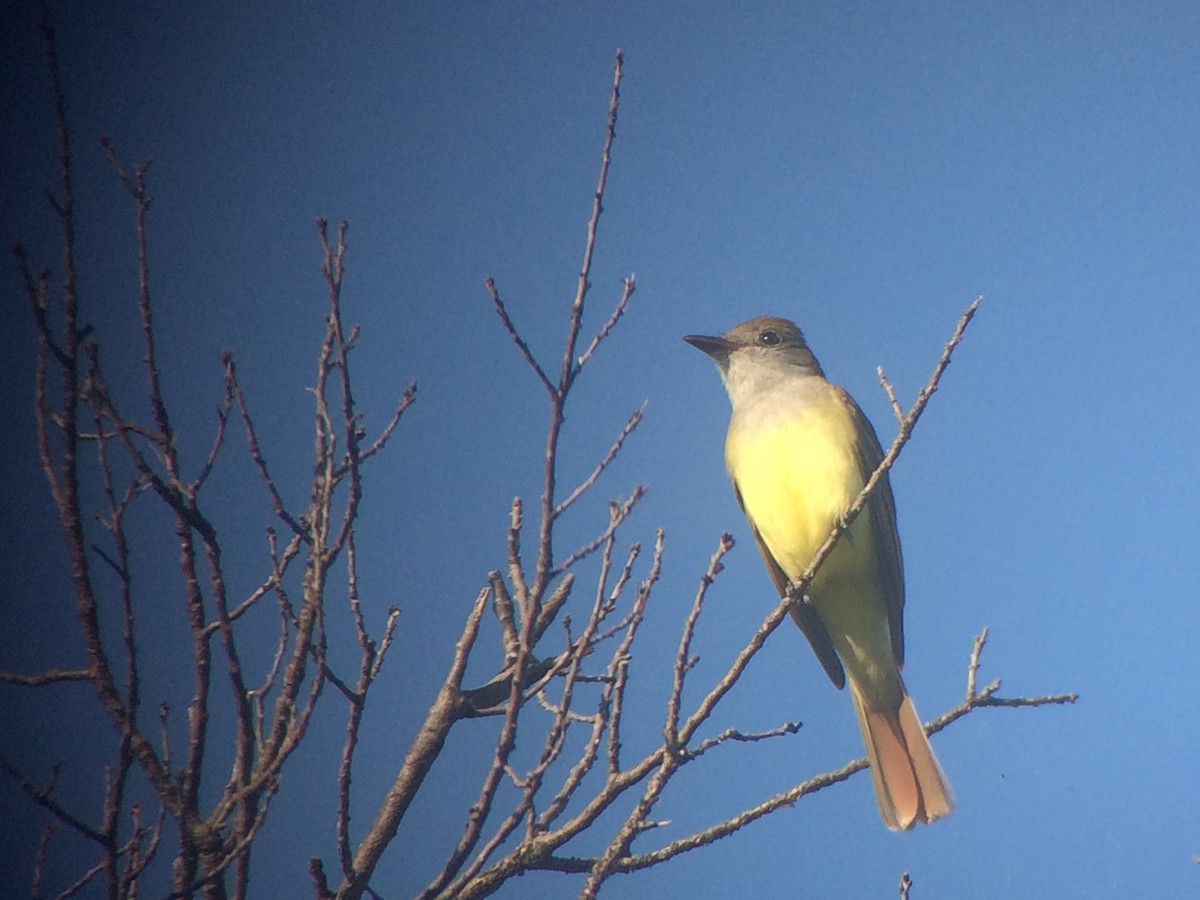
(910, 786)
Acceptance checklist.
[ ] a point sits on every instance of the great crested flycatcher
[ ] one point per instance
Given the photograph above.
(799, 450)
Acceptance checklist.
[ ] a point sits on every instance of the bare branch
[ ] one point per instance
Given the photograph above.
(42, 797)
(256, 454)
(502, 606)
(570, 366)
(617, 673)
(61, 468)
(407, 399)
(369, 665)
(39, 860)
(610, 695)
(897, 409)
(619, 513)
(788, 798)
(419, 759)
(629, 285)
(732, 734)
(507, 322)
(973, 666)
(516, 568)
(551, 607)
(683, 659)
(82, 881)
(385, 644)
(478, 813)
(50, 676)
(613, 450)
(210, 461)
(137, 189)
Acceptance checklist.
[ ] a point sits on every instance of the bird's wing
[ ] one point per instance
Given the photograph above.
(802, 613)
(881, 510)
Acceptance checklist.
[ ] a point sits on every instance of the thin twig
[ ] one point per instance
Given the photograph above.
(256, 453)
(628, 287)
(622, 511)
(752, 737)
(973, 665)
(407, 399)
(683, 654)
(42, 797)
(210, 461)
(633, 422)
(50, 676)
(571, 366)
(897, 409)
(507, 322)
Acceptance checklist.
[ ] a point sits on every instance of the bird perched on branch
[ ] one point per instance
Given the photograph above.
(799, 450)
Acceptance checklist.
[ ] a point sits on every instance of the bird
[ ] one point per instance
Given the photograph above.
(798, 451)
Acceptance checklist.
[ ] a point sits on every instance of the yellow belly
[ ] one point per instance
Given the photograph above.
(797, 475)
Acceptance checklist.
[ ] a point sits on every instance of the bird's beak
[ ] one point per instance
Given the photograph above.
(718, 348)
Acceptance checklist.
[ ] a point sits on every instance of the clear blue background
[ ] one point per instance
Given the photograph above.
(863, 168)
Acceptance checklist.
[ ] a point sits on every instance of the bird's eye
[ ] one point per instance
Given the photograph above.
(768, 339)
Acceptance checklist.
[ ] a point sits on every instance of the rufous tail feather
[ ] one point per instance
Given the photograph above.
(910, 786)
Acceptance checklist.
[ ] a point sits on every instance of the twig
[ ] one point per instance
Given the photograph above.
(419, 759)
(256, 453)
(137, 189)
(621, 513)
(39, 861)
(41, 796)
(507, 322)
(973, 665)
(571, 366)
(502, 606)
(613, 450)
(50, 676)
(618, 667)
(732, 734)
(683, 654)
(897, 409)
(629, 285)
(407, 399)
(210, 461)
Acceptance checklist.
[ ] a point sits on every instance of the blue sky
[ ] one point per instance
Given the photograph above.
(864, 169)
